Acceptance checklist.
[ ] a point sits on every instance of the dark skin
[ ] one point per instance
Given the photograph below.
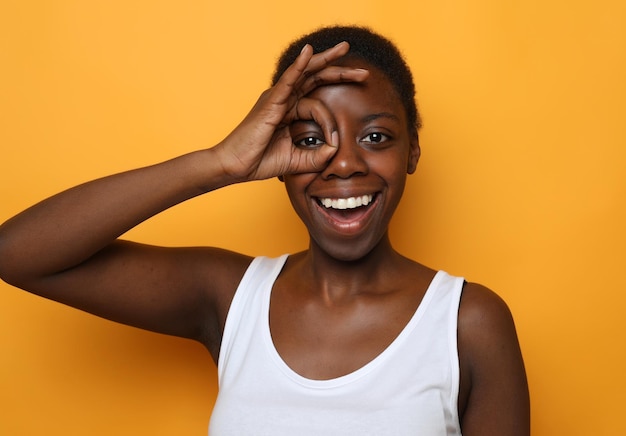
(335, 306)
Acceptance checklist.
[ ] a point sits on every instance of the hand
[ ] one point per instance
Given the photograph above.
(261, 146)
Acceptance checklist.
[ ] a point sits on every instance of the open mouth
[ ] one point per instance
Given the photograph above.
(347, 209)
(346, 203)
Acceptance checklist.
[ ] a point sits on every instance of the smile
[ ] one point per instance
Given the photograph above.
(346, 203)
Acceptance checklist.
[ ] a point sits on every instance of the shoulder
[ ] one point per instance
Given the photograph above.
(219, 271)
(481, 309)
(229, 264)
(216, 274)
(493, 379)
(208, 276)
(485, 328)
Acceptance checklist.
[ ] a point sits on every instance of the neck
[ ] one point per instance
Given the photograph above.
(335, 279)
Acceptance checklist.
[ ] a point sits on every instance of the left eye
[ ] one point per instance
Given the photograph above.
(375, 137)
(309, 142)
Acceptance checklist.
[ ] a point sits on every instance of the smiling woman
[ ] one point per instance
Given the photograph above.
(360, 167)
(345, 337)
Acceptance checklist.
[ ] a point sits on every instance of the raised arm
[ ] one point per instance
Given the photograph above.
(66, 248)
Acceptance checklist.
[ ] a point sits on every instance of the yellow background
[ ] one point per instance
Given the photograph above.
(521, 185)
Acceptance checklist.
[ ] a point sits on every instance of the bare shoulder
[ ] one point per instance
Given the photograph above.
(223, 268)
(482, 310)
(218, 273)
(193, 287)
(493, 397)
(214, 272)
(221, 272)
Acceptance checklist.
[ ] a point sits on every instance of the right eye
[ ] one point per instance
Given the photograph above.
(309, 142)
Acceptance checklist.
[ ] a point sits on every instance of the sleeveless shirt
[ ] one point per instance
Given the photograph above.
(411, 388)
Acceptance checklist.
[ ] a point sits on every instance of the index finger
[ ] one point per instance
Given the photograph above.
(323, 59)
(306, 65)
(332, 75)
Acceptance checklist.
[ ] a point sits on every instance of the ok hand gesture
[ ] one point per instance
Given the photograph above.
(261, 146)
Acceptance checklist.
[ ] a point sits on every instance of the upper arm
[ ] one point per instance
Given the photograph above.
(494, 397)
(178, 291)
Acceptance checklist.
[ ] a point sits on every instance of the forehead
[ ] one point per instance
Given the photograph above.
(376, 76)
(376, 93)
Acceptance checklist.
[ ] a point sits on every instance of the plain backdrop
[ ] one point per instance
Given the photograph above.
(521, 185)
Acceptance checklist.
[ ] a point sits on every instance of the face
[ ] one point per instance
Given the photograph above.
(348, 205)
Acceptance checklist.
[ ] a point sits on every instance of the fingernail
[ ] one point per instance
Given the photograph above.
(303, 48)
(334, 139)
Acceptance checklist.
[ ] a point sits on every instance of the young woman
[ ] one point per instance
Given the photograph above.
(345, 337)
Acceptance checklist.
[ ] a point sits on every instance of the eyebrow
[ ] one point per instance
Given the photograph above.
(303, 122)
(373, 117)
(366, 119)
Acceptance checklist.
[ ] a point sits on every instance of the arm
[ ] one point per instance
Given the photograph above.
(494, 398)
(65, 248)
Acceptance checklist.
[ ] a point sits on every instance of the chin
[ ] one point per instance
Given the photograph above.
(347, 251)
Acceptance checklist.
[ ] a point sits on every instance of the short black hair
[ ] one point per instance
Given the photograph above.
(369, 46)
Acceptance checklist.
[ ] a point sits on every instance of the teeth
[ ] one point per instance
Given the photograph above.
(346, 203)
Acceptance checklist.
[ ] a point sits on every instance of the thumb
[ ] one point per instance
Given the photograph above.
(323, 155)
(315, 160)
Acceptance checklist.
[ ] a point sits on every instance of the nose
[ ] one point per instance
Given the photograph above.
(348, 161)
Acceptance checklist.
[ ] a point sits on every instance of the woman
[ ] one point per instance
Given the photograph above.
(346, 337)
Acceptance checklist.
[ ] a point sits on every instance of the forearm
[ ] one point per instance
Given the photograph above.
(68, 228)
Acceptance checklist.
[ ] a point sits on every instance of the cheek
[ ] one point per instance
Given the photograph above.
(391, 166)
(296, 187)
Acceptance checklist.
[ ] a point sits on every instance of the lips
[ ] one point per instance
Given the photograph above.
(348, 214)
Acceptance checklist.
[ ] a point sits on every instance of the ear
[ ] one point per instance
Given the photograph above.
(414, 154)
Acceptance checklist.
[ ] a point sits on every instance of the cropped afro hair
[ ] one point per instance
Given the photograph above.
(368, 46)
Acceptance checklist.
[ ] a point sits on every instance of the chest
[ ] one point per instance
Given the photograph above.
(285, 376)
(321, 340)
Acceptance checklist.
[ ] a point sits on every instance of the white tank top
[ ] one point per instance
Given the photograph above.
(411, 388)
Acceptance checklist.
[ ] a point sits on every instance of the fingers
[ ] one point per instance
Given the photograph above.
(287, 101)
(315, 110)
(332, 75)
(314, 161)
(323, 59)
(289, 80)
(312, 70)
(308, 72)
(319, 70)
(308, 63)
